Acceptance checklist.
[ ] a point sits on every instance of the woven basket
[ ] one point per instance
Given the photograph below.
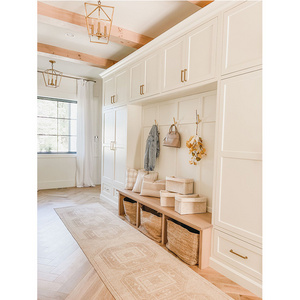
(190, 204)
(151, 223)
(183, 241)
(130, 210)
(179, 185)
(167, 198)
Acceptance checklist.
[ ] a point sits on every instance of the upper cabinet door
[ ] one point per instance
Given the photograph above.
(174, 54)
(242, 37)
(152, 74)
(108, 90)
(122, 87)
(201, 56)
(137, 75)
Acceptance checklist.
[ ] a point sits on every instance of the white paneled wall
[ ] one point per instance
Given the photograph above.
(174, 161)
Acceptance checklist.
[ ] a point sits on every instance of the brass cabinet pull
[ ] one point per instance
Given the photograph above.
(181, 76)
(114, 98)
(142, 89)
(244, 257)
(184, 71)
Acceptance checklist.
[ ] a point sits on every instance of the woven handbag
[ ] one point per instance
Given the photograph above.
(172, 138)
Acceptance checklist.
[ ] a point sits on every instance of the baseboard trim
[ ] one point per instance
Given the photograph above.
(105, 198)
(44, 185)
(236, 276)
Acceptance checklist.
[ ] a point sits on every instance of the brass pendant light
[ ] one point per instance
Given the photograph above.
(98, 19)
(52, 78)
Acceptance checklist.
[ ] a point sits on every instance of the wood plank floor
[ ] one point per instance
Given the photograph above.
(64, 272)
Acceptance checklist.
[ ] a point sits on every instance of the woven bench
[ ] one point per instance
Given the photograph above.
(200, 222)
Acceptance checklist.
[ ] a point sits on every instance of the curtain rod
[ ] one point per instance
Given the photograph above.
(73, 77)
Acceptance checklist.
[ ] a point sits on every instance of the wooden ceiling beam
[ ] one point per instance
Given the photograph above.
(201, 3)
(90, 60)
(118, 35)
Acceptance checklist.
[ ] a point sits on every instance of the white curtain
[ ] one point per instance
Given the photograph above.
(84, 166)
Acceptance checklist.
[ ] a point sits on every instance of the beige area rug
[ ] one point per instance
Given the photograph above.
(131, 265)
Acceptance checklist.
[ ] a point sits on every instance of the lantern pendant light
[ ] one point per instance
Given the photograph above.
(52, 78)
(98, 19)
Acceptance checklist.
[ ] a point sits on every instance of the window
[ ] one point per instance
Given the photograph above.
(56, 125)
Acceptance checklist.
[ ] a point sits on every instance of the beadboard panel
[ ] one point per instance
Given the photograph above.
(173, 161)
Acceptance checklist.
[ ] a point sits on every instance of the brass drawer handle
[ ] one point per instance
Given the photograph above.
(244, 257)
(182, 76)
(142, 89)
(184, 72)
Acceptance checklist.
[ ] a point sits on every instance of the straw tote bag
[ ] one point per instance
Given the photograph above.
(172, 138)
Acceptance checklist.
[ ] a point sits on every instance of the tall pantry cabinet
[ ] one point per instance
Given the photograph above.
(119, 148)
(237, 209)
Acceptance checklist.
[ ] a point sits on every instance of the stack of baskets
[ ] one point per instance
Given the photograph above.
(182, 240)
(179, 193)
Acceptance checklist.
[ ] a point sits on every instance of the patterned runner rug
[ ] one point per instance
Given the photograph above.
(131, 265)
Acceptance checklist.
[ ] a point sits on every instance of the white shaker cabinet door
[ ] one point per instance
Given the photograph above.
(137, 75)
(107, 164)
(174, 54)
(242, 37)
(108, 136)
(108, 127)
(122, 87)
(239, 153)
(121, 127)
(109, 90)
(152, 74)
(202, 44)
(120, 148)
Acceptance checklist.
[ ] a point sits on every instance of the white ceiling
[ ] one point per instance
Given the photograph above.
(150, 18)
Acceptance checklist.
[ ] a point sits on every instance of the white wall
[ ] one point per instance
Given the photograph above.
(174, 161)
(57, 170)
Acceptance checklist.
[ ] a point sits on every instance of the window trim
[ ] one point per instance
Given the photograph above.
(57, 100)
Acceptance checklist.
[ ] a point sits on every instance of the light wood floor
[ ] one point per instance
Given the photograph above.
(64, 272)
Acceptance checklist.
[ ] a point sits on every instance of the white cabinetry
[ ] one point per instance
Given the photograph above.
(219, 47)
(145, 77)
(116, 88)
(191, 58)
(242, 37)
(113, 150)
(237, 211)
(119, 150)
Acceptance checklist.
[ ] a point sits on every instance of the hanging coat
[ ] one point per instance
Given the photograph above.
(152, 149)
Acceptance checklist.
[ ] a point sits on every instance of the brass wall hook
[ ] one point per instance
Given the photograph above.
(197, 118)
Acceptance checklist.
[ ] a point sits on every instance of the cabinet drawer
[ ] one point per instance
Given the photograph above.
(239, 254)
(115, 194)
(106, 189)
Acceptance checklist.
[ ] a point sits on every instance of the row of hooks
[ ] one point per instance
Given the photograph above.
(175, 123)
